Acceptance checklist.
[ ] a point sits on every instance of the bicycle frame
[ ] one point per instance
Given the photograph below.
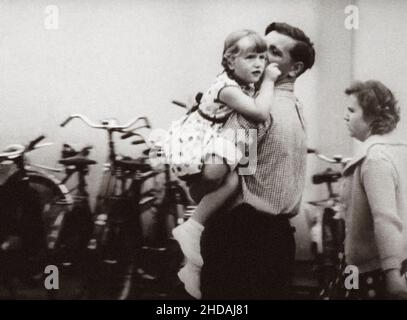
(328, 241)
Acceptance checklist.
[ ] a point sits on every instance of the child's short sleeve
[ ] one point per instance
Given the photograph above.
(222, 82)
(210, 103)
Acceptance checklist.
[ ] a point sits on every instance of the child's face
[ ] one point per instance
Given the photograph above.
(248, 65)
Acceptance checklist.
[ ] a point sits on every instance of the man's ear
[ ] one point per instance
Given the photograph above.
(296, 69)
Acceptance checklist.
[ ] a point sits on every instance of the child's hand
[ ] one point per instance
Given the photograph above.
(272, 72)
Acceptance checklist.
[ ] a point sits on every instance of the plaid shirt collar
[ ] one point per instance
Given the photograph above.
(286, 84)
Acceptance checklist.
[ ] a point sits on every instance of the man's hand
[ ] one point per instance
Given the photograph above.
(396, 285)
(272, 72)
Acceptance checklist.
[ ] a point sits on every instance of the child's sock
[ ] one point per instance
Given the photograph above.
(188, 236)
(190, 275)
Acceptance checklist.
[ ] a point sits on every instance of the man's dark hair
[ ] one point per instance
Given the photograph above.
(303, 50)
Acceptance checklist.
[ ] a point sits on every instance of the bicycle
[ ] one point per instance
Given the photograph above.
(328, 228)
(160, 256)
(72, 222)
(116, 235)
(25, 196)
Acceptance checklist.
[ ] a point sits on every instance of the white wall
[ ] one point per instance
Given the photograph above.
(326, 129)
(381, 48)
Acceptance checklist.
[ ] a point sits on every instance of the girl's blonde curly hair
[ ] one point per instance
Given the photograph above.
(232, 49)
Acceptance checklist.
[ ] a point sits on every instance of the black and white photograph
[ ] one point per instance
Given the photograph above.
(203, 150)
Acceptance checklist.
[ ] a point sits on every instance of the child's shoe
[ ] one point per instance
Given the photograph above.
(190, 275)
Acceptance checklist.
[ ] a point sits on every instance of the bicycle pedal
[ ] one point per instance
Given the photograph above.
(146, 200)
(66, 264)
(109, 261)
(101, 219)
(52, 245)
(92, 244)
(153, 248)
(144, 275)
(12, 243)
(5, 246)
(147, 276)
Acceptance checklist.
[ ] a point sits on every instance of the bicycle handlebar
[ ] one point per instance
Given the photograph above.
(132, 134)
(128, 135)
(198, 98)
(15, 150)
(148, 124)
(337, 159)
(84, 119)
(34, 142)
(180, 104)
(141, 140)
(138, 141)
(106, 124)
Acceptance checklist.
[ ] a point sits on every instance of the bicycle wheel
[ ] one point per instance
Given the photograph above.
(23, 225)
(112, 245)
(116, 224)
(63, 229)
(49, 189)
(67, 224)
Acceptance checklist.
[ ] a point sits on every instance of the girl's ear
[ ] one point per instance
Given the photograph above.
(231, 63)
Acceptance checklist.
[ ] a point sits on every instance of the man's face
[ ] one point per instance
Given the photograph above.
(278, 51)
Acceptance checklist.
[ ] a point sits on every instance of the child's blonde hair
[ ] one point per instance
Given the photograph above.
(231, 49)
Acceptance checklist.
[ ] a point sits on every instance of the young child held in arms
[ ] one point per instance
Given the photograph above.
(198, 148)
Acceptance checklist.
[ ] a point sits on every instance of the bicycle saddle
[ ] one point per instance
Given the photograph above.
(138, 164)
(327, 176)
(77, 160)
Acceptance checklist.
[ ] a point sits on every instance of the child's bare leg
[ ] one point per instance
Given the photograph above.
(213, 175)
(213, 201)
(189, 233)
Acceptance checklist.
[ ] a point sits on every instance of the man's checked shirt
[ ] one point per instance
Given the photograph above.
(277, 184)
